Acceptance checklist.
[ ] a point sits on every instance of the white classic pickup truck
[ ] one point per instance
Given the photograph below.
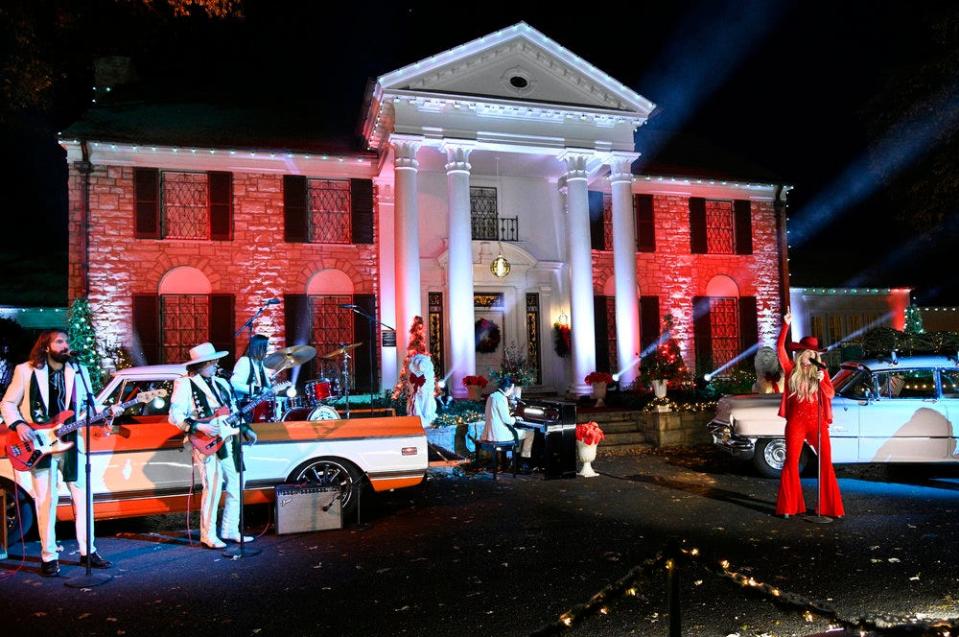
(902, 410)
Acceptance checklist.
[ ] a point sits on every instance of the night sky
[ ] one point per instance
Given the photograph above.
(856, 105)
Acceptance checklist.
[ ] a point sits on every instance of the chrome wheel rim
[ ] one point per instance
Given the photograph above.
(775, 454)
(329, 473)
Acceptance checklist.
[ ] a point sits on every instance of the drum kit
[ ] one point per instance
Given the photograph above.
(319, 393)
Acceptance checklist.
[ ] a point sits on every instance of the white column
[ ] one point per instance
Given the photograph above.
(582, 321)
(406, 240)
(387, 298)
(624, 268)
(462, 358)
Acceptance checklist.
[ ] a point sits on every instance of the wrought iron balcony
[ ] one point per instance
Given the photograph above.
(492, 228)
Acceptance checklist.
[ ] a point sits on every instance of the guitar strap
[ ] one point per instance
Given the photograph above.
(204, 410)
(40, 413)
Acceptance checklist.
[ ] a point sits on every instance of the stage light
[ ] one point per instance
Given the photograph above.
(615, 378)
(708, 377)
(291, 392)
(158, 403)
(441, 383)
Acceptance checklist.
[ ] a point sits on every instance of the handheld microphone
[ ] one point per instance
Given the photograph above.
(273, 302)
(818, 364)
(347, 306)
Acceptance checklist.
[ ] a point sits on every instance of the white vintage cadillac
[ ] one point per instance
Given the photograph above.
(904, 410)
(142, 466)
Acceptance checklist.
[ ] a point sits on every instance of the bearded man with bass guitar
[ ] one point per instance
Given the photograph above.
(41, 389)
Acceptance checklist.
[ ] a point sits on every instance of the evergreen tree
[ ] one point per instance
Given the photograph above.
(914, 321)
(83, 338)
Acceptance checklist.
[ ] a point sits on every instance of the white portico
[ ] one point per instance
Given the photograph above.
(515, 121)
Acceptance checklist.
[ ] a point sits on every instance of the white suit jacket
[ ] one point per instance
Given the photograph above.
(16, 401)
(497, 417)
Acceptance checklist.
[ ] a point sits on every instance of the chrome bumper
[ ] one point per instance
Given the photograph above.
(725, 439)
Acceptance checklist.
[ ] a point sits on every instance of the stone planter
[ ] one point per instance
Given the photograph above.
(474, 392)
(586, 454)
(599, 393)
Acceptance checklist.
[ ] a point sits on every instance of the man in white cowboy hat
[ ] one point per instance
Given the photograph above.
(197, 396)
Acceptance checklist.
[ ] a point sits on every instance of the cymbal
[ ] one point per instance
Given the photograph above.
(341, 350)
(289, 357)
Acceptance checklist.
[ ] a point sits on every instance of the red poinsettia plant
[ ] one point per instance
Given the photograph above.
(475, 381)
(599, 377)
(589, 433)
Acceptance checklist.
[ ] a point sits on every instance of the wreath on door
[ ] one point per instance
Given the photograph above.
(487, 336)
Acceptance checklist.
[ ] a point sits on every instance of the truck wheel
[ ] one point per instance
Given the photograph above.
(770, 457)
(332, 472)
(19, 515)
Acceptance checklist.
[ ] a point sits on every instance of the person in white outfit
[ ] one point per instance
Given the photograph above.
(499, 420)
(41, 388)
(422, 389)
(197, 396)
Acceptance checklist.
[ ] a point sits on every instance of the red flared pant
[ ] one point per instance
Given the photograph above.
(802, 427)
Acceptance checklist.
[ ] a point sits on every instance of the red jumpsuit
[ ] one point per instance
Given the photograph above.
(801, 422)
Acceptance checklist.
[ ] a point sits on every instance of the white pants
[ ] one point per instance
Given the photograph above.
(46, 483)
(213, 473)
(526, 437)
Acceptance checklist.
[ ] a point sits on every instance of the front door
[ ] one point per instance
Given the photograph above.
(491, 333)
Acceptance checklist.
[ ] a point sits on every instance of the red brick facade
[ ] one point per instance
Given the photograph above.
(256, 265)
(675, 275)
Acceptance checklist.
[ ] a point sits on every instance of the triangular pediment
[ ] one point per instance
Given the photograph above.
(518, 63)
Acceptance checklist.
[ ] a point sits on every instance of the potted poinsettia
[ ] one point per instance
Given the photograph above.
(599, 381)
(474, 386)
(588, 437)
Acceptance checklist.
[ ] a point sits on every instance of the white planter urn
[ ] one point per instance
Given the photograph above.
(599, 393)
(586, 454)
(659, 389)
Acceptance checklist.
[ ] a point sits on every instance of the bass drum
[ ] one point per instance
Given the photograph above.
(323, 412)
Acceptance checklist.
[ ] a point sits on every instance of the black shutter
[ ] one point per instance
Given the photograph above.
(702, 335)
(146, 194)
(361, 201)
(296, 316)
(697, 225)
(361, 332)
(649, 323)
(296, 227)
(597, 234)
(748, 323)
(146, 328)
(645, 227)
(221, 205)
(222, 318)
(742, 209)
(602, 334)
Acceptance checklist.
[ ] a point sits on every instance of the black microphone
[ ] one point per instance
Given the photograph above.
(273, 302)
(348, 306)
(818, 363)
(73, 354)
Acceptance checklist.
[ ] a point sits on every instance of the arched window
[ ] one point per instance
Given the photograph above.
(717, 324)
(331, 325)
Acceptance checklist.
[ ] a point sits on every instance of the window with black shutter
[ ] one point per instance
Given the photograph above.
(602, 332)
(697, 225)
(597, 233)
(222, 320)
(366, 367)
(221, 205)
(361, 200)
(146, 194)
(296, 225)
(146, 328)
(298, 325)
(649, 323)
(702, 335)
(744, 226)
(645, 225)
(748, 322)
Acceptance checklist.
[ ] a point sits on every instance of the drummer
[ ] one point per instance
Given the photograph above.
(249, 374)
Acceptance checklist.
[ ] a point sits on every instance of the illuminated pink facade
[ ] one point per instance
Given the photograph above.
(212, 233)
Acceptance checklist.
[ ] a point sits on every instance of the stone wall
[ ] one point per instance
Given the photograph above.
(673, 428)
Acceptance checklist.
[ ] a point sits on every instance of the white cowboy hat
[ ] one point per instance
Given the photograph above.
(204, 352)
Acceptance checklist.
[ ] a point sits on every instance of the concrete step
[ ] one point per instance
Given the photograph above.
(619, 439)
(619, 427)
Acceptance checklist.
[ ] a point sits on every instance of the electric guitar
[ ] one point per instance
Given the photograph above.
(48, 436)
(230, 421)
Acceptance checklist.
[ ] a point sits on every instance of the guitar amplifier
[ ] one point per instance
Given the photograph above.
(304, 507)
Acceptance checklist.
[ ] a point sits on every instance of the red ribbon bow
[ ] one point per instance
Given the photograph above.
(417, 381)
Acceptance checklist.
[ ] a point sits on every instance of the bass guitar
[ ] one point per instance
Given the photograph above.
(48, 436)
(229, 421)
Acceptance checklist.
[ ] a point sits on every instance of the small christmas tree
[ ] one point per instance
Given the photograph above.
(84, 338)
(416, 345)
(666, 362)
(914, 321)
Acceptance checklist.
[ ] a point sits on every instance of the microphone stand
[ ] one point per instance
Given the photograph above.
(373, 323)
(240, 551)
(818, 518)
(88, 579)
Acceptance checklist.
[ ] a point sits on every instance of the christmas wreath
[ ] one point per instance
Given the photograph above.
(562, 339)
(487, 336)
